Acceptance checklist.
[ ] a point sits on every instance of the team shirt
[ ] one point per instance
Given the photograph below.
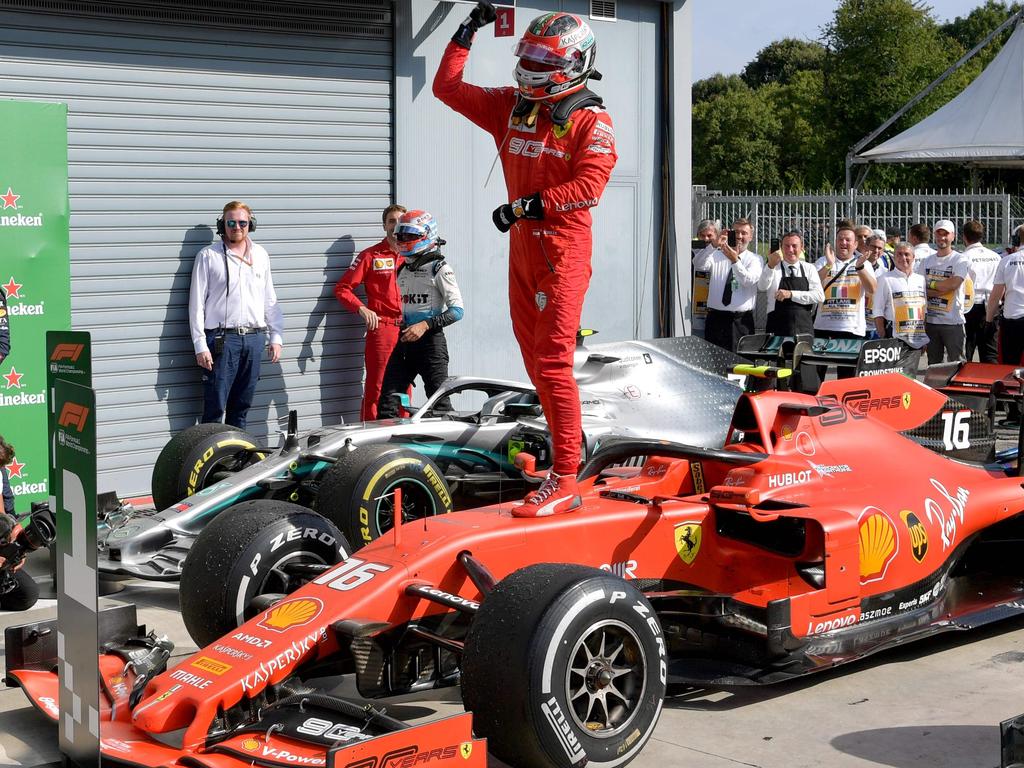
(1010, 274)
(983, 269)
(950, 307)
(843, 308)
(902, 300)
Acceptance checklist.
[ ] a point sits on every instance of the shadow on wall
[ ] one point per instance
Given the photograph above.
(338, 336)
(177, 376)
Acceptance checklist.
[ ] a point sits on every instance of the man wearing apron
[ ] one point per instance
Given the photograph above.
(793, 288)
(794, 291)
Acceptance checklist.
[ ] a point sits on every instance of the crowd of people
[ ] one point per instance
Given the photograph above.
(949, 303)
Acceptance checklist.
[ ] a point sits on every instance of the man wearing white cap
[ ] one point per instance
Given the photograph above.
(945, 272)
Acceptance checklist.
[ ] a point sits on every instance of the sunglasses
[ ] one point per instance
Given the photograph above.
(232, 224)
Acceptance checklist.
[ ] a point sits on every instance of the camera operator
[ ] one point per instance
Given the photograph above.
(17, 590)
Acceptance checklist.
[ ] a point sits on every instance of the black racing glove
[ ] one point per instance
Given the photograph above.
(506, 215)
(482, 15)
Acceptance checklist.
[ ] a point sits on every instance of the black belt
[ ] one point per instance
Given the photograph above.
(727, 312)
(240, 330)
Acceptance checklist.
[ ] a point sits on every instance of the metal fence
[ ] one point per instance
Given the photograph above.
(815, 215)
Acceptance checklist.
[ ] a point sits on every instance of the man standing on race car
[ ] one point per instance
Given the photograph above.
(231, 304)
(557, 149)
(375, 270)
(430, 301)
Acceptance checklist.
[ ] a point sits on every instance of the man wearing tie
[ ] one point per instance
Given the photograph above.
(734, 272)
(793, 287)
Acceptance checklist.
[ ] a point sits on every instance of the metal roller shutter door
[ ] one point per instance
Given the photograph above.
(173, 109)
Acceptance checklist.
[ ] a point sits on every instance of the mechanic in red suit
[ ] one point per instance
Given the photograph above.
(557, 150)
(375, 269)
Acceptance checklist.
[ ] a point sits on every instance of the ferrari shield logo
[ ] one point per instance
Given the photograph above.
(688, 541)
(906, 401)
(561, 130)
(466, 749)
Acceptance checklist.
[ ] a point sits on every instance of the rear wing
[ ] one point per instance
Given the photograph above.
(867, 358)
(985, 380)
(944, 422)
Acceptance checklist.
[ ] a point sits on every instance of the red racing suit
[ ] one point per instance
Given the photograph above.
(549, 259)
(375, 268)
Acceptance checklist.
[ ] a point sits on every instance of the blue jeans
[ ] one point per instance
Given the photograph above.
(228, 388)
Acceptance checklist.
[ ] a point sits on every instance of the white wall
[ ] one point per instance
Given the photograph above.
(442, 162)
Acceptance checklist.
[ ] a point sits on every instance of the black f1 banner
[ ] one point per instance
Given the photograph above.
(887, 356)
(74, 441)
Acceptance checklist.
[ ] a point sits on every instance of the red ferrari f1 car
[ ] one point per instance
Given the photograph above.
(818, 534)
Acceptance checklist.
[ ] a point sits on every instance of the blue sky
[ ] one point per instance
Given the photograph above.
(727, 34)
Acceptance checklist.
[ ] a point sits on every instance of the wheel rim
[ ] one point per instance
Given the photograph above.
(606, 679)
(278, 580)
(224, 467)
(417, 503)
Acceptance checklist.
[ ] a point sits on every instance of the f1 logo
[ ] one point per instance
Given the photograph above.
(67, 352)
(505, 21)
(73, 415)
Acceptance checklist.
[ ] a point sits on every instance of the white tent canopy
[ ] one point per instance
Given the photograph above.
(982, 125)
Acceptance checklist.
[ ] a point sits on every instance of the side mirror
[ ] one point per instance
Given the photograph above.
(405, 402)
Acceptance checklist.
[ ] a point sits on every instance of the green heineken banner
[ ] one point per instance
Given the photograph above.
(35, 275)
(77, 620)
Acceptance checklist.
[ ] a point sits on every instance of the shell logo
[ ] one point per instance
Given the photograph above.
(293, 613)
(878, 544)
(251, 745)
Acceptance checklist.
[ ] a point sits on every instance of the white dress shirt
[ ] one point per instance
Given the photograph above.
(771, 278)
(229, 292)
(745, 272)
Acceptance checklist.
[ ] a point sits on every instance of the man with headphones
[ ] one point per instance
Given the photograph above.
(232, 309)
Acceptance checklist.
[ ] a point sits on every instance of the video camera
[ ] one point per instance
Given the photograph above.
(16, 541)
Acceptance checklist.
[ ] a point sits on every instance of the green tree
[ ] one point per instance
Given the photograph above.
(971, 29)
(736, 141)
(881, 53)
(780, 61)
(710, 87)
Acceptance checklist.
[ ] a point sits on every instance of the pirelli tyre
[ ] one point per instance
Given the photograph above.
(564, 665)
(197, 458)
(357, 493)
(255, 548)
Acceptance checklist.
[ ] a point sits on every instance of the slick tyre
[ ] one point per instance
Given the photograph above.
(197, 458)
(356, 494)
(23, 596)
(564, 665)
(255, 548)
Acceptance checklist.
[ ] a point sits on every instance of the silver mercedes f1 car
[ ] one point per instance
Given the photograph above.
(455, 451)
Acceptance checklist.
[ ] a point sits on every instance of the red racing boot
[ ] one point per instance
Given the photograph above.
(557, 495)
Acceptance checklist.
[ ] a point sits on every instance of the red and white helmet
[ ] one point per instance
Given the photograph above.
(556, 56)
(416, 233)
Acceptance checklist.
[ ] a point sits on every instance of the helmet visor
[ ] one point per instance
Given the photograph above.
(539, 54)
